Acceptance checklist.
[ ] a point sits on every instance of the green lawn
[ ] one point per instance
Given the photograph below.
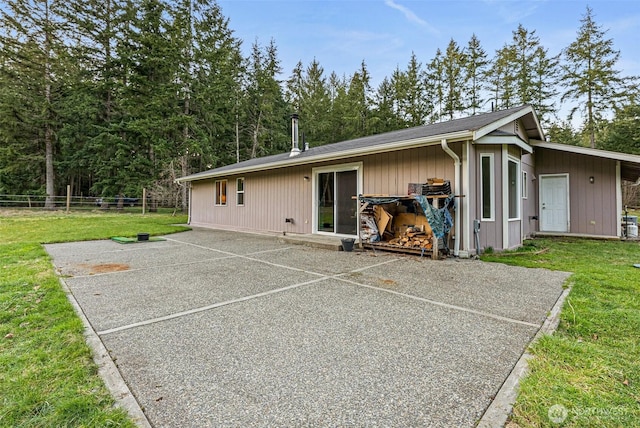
(48, 378)
(588, 373)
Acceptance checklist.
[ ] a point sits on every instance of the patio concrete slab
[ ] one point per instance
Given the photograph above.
(524, 294)
(122, 298)
(217, 328)
(327, 354)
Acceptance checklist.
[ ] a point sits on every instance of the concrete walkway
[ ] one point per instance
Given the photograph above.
(212, 328)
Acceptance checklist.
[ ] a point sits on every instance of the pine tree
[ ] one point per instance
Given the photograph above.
(359, 101)
(544, 81)
(264, 108)
(622, 134)
(413, 104)
(436, 85)
(453, 66)
(384, 115)
(501, 82)
(589, 75)
(32, 53)
(476, 69)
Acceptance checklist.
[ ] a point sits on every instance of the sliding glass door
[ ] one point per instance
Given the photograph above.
(336, 207)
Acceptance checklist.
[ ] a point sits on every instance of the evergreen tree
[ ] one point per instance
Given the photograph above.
(476, 69)
(308, 94)
(454, 64)
(384, 115)
(359, 101)
(501, 81)
(32, 60)
(340, 106)
(413, 104)
(264, 107)
(622, 134)
(436, 85)
(589, 75)
(544, 73)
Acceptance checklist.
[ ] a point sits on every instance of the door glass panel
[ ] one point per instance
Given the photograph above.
(346, 189)
(325, 201)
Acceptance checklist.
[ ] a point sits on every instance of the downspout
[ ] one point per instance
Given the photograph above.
(456, 201)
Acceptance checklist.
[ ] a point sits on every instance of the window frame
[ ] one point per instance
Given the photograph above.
(220, 193)
(517, 187)
(492, 187)
(240, 193)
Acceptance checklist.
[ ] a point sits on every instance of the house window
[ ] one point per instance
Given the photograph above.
(240, 191)
(525, 185)
(514, 189)
(221, 192)
(487, 192)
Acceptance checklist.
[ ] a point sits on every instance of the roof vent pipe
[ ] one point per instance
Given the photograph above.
(295, 149)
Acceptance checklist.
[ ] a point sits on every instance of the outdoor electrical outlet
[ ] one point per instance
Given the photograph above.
(593, 222)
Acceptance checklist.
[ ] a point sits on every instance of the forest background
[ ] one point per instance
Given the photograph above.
(113, 96)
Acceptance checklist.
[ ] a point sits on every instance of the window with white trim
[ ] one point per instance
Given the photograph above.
(513, 171)
(240, 191)
(525, 185)
(221, 193)
(487, 187)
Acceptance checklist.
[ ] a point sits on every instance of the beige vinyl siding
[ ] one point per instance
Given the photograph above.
(271, 196)
(390, 173)
(592, 206)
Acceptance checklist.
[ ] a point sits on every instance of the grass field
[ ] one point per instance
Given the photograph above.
(48, 378)
(588, 373)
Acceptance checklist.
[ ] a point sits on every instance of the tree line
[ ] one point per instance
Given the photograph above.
(116, 95)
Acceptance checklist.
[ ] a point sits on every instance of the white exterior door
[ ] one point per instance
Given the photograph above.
(554, 203)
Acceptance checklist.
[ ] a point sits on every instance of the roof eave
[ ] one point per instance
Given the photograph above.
(500, 139)
(587, 151)
(367, 150)
(481, 132)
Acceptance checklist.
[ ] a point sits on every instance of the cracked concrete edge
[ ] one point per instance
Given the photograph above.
(107, 368)
(500, 408)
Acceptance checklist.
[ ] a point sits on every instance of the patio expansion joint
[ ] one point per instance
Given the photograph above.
(444, 305)
(227, 257)
(238, 300)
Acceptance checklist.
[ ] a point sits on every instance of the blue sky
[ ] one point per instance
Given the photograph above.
(383, 33)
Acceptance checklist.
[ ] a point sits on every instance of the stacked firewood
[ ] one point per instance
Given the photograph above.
(413, 237)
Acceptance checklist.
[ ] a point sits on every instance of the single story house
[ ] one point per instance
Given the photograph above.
(501, 170)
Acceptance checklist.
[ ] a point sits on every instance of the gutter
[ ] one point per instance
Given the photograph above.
(456, 202)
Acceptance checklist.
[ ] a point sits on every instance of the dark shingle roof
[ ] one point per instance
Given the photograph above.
(470, 124)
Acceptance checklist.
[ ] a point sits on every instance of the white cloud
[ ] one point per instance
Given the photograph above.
(411, 16)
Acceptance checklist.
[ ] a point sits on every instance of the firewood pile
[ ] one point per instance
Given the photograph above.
(415, 238)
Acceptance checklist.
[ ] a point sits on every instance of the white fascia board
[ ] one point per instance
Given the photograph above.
(500, 139)
(361, 151)
(587, 151)
(505, 120)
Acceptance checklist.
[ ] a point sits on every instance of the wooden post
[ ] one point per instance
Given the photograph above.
(144, 200)
(68, 196)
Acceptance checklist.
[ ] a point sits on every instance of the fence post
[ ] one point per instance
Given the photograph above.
(144, 200)
(68, 196)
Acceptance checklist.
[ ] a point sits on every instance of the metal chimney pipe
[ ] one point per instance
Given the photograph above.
(295, 149)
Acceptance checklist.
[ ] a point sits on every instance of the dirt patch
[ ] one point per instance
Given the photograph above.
(387, 282)
(105, 268)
